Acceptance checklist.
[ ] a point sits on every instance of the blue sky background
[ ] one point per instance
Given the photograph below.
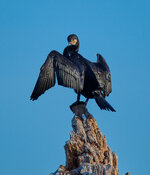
(33, 134)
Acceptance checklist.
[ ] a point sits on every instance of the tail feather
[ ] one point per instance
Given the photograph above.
(103, 104)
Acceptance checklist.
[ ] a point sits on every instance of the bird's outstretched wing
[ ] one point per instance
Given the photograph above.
(101, 63)
(68, 74)
(103, 75)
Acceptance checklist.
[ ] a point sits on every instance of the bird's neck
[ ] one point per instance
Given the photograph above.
(74, 48)
(71, 50)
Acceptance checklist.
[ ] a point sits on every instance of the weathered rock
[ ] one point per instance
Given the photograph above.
(87, 151)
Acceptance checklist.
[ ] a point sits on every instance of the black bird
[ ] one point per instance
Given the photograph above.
(73, 47)
(92, 80)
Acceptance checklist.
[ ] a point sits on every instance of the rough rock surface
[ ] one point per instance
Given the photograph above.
(87, 151)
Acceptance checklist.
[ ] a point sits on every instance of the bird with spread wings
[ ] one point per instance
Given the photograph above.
(92, 80)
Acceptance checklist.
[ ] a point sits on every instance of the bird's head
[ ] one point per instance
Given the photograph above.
(73, 40)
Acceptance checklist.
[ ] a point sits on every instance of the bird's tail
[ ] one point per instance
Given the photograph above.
(103, 104)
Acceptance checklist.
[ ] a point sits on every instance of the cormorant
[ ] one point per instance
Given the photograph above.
(73, 47)
(92, 80)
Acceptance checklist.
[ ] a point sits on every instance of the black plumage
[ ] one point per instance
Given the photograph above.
(92, 80)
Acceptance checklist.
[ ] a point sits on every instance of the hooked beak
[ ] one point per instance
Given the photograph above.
(72, 42)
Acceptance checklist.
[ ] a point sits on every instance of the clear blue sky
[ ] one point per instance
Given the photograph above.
(33, 134)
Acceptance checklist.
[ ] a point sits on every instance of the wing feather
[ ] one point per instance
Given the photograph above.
(68, 75)
(45, 80)
(101, 71)
(67, 71)
(101, 62)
